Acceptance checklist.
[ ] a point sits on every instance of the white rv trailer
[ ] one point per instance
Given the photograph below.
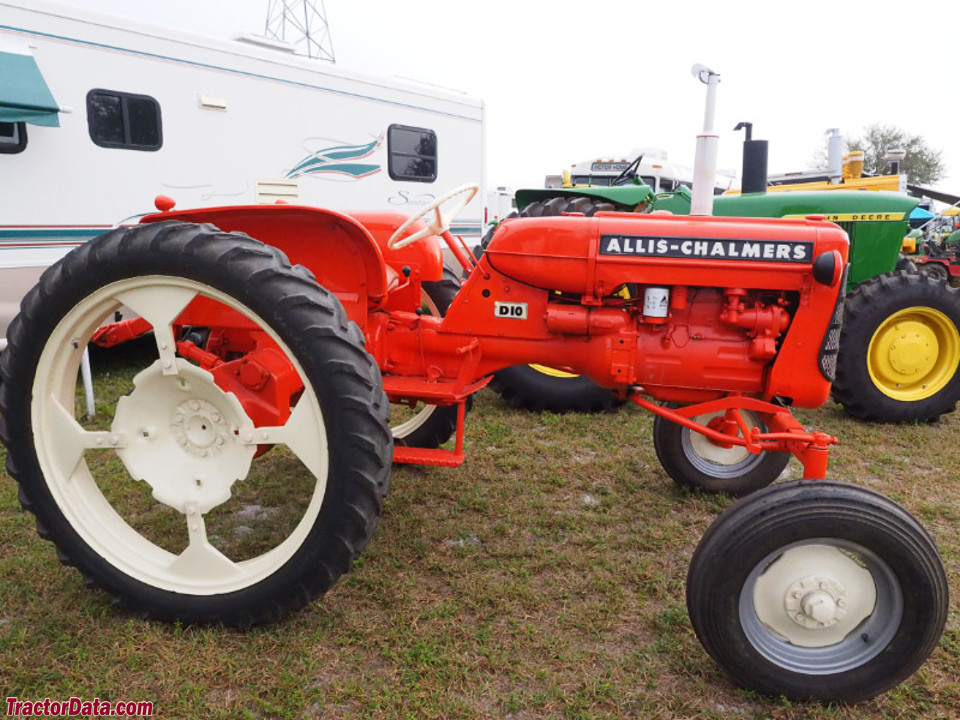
(98, 115)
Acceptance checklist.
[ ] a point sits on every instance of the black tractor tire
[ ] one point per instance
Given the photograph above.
(938, 271)
(878, 380)
(694, 462)
(817, 590)
(552, 207)
(433, 425)
(905, 264)
(529, 387)
(342, 411)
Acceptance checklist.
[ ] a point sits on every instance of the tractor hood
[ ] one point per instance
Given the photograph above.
(836, 205)
(594, 256)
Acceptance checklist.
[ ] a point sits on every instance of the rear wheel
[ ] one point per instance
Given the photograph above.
(424, 425)
(693, 460)
(819, 590)
(899, 349)
(938, 271)
(539, 387)
(162, 504)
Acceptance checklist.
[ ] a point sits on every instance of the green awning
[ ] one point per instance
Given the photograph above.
(24, 95)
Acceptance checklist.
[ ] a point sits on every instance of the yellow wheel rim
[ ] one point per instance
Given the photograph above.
(552, 372)
(914, 354)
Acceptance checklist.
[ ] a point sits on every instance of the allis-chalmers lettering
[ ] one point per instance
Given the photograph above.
(767, 250)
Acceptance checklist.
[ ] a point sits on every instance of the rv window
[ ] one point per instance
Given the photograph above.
(123, 120)
(13, 137)
(412, 153)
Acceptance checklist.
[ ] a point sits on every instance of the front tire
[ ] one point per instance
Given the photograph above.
(165, 508)
(694, 461)
(899, 349)
(821, 590)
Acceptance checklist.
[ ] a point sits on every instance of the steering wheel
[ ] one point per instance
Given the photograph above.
(440, 222)
(628, 171)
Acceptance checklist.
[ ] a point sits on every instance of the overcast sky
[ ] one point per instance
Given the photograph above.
(567, 80)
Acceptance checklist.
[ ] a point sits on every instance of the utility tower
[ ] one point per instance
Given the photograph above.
(303, 24)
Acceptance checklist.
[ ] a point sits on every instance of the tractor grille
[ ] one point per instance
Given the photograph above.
(831, 341)
(847, 227)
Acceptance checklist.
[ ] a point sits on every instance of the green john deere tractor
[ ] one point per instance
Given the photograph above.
(899, 346)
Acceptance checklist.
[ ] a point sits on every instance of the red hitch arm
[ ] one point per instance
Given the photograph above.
(788, 435)
(120, 332)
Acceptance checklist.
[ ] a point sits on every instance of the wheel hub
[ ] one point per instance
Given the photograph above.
(815, 602)
(911, 351)
(199, 428)
(814, 595)
(183, 437)
(914, 354)
(714, 452)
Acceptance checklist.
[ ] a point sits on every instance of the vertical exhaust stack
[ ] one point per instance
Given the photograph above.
(705, 165)
(754, 172)
(834, 155)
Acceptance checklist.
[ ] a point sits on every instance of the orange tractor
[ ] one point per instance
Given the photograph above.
(299, 341)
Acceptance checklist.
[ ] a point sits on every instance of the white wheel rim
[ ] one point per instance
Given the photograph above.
(814, 596)
(820, 607)
(408, 427)
(714, 460)
(146, 435)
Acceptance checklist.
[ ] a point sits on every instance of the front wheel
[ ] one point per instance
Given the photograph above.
(167, 505)
(695, 461)
(817, 590)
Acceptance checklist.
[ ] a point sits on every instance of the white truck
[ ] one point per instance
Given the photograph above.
(100, 114)
(653, 169)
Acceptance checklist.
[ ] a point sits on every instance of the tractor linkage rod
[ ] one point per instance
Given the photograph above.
(811, 449)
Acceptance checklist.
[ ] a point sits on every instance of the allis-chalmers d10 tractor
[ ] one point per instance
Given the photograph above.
(807, 589)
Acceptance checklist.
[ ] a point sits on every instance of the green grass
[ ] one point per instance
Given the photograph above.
(542, 579)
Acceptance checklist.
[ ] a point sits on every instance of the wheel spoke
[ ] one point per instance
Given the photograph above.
(201, 560)
(70, 439)
(303, 433)
(438, 224)
(160, 306)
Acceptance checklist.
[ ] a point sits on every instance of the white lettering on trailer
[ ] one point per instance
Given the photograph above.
(512, 310)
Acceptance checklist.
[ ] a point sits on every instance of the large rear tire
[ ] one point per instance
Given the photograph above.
(899, 354)
(537, 387)
(820, 590)
(164, 509)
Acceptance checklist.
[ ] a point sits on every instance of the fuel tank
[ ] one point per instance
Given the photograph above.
(593, 256)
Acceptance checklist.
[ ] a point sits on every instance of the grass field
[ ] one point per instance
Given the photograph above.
(543, 579)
